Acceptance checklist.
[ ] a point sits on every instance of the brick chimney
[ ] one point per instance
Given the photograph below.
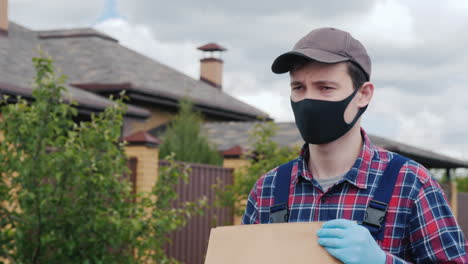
(211, 67)
(3, 17)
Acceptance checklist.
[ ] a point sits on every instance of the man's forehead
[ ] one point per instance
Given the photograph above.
(319, 69)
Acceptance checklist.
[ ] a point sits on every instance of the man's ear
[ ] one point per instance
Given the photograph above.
(365, 94)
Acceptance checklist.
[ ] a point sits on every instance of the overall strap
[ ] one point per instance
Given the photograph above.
(374, 218)
(279, 211)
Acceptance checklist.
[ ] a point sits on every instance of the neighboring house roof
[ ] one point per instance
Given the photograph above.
(17, 72)
(142, 137)
(226, 135)
(95, 63)
(98, 63)
(229, 137)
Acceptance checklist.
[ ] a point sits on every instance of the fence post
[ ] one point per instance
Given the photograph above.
(233, 159)
(454, 198)
(144, 147)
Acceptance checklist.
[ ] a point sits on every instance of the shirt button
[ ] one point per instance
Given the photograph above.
(323, 199)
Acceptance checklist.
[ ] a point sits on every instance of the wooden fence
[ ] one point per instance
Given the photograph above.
(462, 212)
(189, 244)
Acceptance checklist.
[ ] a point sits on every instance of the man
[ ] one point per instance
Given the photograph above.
(379, 207)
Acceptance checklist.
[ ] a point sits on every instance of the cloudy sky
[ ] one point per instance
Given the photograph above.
(418, 49)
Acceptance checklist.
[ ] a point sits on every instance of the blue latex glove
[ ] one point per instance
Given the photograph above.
(350, 242)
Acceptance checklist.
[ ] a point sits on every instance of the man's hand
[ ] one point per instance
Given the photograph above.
(350, 242)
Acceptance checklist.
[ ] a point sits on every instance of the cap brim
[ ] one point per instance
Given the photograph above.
(285, 61)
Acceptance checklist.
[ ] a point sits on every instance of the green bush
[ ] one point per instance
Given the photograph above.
(264, 156)
(63, 197)
(462, 184)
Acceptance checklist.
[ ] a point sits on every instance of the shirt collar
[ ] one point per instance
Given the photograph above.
(357, 175)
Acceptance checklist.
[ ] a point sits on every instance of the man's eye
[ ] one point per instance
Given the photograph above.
(326, 88)
(297, 88)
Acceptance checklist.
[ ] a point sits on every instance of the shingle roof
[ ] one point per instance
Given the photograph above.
(73, 33)
(226, 135)
(95, 59)
(142, 137)
(17, 71)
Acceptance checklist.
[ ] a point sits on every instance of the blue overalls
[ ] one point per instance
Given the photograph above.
(374, 218)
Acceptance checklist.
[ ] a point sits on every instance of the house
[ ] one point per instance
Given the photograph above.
(97, 66)
(234, 143)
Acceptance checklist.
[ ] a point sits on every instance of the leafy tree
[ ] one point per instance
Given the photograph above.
(63, 196)
(183, 137)
(462, 184)
(461, 178)
(264, 156)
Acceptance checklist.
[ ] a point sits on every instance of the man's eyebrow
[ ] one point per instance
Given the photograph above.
(325, 82)
(294, 83)
(320, 82)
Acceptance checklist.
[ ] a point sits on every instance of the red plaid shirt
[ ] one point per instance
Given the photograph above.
(420, 227)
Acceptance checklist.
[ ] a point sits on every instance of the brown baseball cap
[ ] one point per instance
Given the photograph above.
(328, 45)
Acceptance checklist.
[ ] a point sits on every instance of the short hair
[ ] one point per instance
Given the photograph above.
(358, 76)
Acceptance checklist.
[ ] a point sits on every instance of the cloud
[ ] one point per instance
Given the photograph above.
(181, 55)
(54, 14)
(423, 120)
(417, 47)
(387, 23)
(223, 13)
(255, 32)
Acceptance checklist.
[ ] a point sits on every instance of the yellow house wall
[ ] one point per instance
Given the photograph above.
(8, 179)
(236, 164)
(147, 169)
(158, 116)
(2, 137)
(147, 166)
(454, 199)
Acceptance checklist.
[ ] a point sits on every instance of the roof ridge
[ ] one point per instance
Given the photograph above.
(64, 29)
(73, 33)
(19, 26)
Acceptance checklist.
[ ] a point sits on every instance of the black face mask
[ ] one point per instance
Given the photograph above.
(323, 121)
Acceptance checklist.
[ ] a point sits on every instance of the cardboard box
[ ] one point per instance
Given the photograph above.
(288, 243)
